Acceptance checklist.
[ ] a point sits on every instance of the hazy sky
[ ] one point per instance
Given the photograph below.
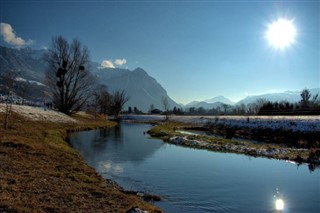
(195, 49)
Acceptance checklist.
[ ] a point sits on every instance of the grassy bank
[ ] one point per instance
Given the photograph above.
(40, 172)
(167, 131)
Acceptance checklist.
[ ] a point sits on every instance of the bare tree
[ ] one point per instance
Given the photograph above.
(24, 89)
(9, 83)
(225, 108)
(166, 106)
(151, 108)
(259, 103)
(102, 99)
(305, 98)
(119, 98)
(68, 77)
(165, 103)
(315, 100)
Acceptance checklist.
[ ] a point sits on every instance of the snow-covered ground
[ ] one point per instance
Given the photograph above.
(294, 123)
(39, 114)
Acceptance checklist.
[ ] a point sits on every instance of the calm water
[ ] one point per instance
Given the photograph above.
(191, 180)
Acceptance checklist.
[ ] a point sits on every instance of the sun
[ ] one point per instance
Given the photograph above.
(281, 33)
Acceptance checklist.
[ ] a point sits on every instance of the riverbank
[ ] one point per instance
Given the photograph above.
(292, 138)
(292, 123)
(170, 132)
(41, 172)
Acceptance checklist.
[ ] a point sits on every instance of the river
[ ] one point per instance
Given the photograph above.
(191, 180)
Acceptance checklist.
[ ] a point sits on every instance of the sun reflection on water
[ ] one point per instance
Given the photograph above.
(279, 203)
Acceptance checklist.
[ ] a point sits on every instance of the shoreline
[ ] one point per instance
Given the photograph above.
(167, 132)
(272, 151)
(295, 143)
(41, 172)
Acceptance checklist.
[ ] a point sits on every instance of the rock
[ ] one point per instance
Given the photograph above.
(136, 210)
(176, 140)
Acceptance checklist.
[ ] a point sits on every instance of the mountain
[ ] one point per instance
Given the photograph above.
(28, 62)
(221, 99)
(210, 103)
(203, 104)
(191, 104)
(142, 90)
(289, 96)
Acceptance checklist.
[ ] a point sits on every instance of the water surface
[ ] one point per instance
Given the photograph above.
(193, 180)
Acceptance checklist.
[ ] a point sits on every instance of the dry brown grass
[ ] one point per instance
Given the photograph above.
(40, 172)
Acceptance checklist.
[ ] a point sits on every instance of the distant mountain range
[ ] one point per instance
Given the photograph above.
(210, 103)
(288, 96)
(221, 99)
(142, 89)
(203, 104)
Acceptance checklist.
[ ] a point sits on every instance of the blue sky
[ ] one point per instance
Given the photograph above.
(195, 49)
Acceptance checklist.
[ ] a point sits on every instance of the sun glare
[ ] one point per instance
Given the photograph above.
(279, 204)
(281, 33)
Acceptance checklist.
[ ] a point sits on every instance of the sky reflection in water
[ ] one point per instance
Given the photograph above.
(192, 180)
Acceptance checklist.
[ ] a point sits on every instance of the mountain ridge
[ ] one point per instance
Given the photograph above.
(221, 99)
(142, 89)
(289, 96)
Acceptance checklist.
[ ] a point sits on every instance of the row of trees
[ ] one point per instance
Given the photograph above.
(105, 103)
(224, 109)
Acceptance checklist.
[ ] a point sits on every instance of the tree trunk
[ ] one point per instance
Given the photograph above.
(6, 117)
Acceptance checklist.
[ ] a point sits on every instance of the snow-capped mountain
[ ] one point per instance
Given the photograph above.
(210, 103)
(204, 105)
(289, 96)
(220, 99)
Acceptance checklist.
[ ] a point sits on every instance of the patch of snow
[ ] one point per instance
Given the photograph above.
(293, 123)
(37, 83)
(31, 82)
(39, 114)
(20, 79)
